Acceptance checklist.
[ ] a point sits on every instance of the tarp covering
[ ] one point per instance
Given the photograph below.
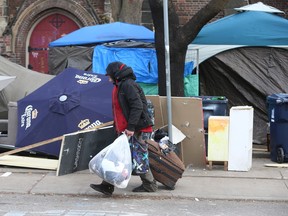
(149, 89)
(26, 82)
(191, 86)
(138, 55)
(251, 28)
(246, 76)
(142, 60)
(105, 33)
(79, 57)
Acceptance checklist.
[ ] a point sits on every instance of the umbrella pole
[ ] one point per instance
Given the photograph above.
(45, 142)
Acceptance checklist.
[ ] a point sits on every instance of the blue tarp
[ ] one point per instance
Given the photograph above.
(251, 28)
(142, 60)
(105, 33)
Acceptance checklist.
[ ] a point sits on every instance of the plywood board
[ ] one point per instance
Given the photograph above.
(218, 138)
(187, 116)
(77, 149)
(29, 162)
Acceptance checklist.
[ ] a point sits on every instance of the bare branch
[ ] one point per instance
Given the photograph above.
(201, 18)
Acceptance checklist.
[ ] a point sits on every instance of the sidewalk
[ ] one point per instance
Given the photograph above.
(260, 183)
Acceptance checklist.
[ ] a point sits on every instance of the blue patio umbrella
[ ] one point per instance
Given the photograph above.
(73, 100)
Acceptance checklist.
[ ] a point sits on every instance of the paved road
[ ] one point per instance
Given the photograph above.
(97, 205)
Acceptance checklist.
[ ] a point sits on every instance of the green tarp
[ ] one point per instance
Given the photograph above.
(191, 87)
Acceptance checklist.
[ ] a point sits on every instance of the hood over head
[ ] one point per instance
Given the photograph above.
(118, 71)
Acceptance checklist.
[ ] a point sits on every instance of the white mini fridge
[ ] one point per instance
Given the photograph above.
(240, 138)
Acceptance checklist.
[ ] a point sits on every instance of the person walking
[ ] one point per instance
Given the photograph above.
(131, 116)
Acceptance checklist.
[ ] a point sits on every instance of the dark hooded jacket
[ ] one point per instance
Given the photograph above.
(130, 96)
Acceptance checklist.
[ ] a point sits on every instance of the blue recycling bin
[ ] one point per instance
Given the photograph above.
(278, 119)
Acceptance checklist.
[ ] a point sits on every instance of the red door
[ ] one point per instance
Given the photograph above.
(47, 30)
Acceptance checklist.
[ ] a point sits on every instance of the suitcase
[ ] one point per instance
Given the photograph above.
(166, 168)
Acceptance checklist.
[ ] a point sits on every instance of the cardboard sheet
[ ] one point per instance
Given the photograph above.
(187, 116)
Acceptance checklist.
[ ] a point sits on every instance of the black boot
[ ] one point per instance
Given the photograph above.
(146, 187)
(103, 188)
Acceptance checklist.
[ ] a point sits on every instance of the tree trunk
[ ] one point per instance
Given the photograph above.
(129, 11)
(179, 39)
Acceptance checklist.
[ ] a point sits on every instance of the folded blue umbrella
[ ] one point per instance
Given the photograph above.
(72, 101)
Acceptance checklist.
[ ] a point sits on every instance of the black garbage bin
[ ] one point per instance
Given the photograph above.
(213, 106)
(278, 119)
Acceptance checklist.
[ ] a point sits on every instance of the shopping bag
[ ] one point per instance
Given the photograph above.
(113, 163)
(140, 160)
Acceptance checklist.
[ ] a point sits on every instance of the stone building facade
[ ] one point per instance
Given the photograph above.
(23, 22)
(22, 18)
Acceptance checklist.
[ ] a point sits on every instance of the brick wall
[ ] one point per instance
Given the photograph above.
(13, 6)
(188, 8)
(84, 13)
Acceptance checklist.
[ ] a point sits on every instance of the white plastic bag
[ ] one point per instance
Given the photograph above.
(113, 164)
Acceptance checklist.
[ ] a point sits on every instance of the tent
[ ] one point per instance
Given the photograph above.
(26, 82)
(244, 57)
(76, 49)
(251, 28)
(259, 7)
(105, 33)
(93, 47)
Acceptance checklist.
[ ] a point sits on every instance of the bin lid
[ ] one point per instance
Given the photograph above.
(213, 99)
(277, 98)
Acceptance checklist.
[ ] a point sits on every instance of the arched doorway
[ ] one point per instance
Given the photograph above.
(48, 29)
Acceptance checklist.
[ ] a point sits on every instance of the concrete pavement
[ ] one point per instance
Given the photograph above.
(260, 183)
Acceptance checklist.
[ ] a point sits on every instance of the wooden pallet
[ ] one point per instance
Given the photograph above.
(29, 162)
(218, 162)
(277, 165)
